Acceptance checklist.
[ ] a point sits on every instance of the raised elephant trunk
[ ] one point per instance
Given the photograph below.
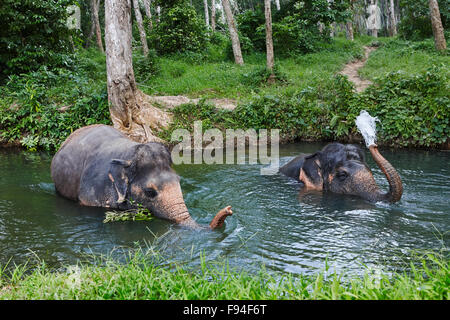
(395, 183)
(220, 217)
(186, 220)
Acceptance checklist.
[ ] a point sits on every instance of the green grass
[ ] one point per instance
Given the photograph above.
(225, 79)
(409, 57)
(148, 276)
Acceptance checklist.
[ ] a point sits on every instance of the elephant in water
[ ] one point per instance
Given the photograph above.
(98, 166)
(342, 169)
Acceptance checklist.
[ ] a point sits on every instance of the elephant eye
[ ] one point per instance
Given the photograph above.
(150, 192)
(342, 175)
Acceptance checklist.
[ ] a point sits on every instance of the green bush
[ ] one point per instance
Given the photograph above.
(293, 35)
(414, 110)
(248, 22)
(218, 38)
(145, 67)
(40, 109)
(33, 34)
(179, 30)
(260, 75)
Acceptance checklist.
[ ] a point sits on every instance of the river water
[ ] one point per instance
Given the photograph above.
(273, 223)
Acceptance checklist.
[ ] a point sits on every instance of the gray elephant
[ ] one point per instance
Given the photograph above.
(99, 166)
(342, 169)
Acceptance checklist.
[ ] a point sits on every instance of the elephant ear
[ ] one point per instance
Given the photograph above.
(122, 172)
(119, 174)
(311, 172)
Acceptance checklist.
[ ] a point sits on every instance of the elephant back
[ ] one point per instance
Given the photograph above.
(70, 161)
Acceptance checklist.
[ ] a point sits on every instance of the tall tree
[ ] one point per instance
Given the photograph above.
(222, 13)
(392, 22)
(349, 30)
(269, 42)
(142, 35)
(95, 5)
(205, 4)
(119, 68)
(349, 23)
(277, 4)
(213, 15)
(148, 13)
(436, 24)
(233, 33)
(158, 14)
(130, 112)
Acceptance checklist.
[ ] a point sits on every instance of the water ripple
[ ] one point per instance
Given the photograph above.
(273, 223)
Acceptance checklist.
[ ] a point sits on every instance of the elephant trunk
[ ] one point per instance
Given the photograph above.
(220, 217)
(395, 183)
(181, 216)
(186, 220)
(174, 209)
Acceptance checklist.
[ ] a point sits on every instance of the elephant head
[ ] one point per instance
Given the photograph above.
(148, 179)
(342, 169)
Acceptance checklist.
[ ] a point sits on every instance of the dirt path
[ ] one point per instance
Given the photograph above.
(170, 102)
(351, 70)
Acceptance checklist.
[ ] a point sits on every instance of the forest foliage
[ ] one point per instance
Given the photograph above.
(415, 23)
(33, 34)
(180, 29)
(51, 84)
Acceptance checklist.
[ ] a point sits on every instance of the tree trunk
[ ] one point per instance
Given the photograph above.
(129, 109)
(333, 29)
(222, 15)
(436, 24)
(233, 33)
(98, 31)
(158, 14)
(392, 22)
(349, 30)
(349, 24)
(119, 67)
(205, 4)
(142, 35)
(269, 42)
(277, 3)
(148, 13)
(92, 30)
(213, 15)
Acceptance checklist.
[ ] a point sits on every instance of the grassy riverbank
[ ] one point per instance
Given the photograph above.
(310, 101)
(144, 278)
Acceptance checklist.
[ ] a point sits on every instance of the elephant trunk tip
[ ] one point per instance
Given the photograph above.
(220, 217)
(395, 182)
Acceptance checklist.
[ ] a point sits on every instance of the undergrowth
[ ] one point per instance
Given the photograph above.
(146, 275)
(40, 109)
(413, 111)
